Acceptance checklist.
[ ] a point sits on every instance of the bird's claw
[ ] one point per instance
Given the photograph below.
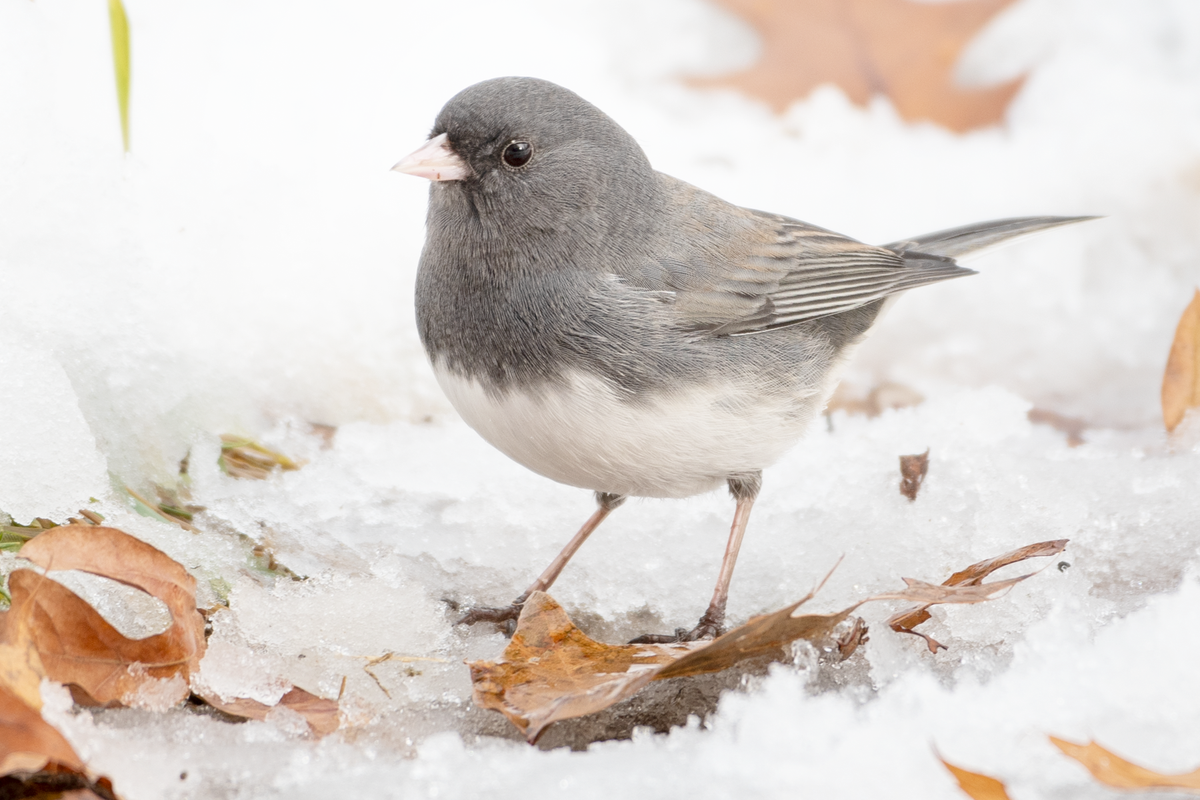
(709, 627)
(504, 616)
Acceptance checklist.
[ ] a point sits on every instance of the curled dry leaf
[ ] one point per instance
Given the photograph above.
(912, 473)
(552, 671)
(972, 576)
(77, 646)
(1181, 379)
(1115, 771)
(902, 49)
(975, 785)
(320, 714)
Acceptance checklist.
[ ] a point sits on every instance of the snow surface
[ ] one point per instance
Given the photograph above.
(248, 268)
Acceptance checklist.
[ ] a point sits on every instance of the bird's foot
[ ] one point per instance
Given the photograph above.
(709, 627)
(505, 617)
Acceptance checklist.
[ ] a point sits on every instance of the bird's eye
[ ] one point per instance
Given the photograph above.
(517, 153)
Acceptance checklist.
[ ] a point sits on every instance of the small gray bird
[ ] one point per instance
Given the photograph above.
(616, 329)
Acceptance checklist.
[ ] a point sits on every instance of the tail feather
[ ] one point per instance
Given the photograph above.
(970, 238)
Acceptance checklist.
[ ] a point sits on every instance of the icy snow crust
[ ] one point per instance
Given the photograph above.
(249, 269)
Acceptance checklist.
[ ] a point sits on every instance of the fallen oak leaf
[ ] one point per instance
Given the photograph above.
(902, 49)
(906, 621)
(974, 784)
(764, 635)
(1115, 771)
(1181, 378)
(79, 647)
(321, 714)
(552, 671)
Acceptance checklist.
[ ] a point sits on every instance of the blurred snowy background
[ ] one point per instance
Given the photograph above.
(248, 268)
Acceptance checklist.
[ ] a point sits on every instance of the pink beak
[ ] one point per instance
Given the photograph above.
(435, 161)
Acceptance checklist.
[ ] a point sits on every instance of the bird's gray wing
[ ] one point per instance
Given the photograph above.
(818, 273)
(733, 271)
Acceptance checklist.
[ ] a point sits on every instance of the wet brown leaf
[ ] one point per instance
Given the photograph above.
(904, 50)
(972, 576)
(1181, 379)
(77, 646)
(1115, 771)
(320, 714)
(552, 671)
(975, 785)
(912, 473)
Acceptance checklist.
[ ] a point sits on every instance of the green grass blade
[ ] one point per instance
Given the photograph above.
(120, 45)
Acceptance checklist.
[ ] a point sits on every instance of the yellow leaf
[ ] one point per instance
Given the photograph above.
(1115, 771)
(979, 787)
(119, 24)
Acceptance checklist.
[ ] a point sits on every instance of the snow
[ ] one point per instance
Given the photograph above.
(249, 269)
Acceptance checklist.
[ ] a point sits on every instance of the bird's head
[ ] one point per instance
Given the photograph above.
(523, 156)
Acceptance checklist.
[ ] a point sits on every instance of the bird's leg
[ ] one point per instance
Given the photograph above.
(508, 614)
(744, 489)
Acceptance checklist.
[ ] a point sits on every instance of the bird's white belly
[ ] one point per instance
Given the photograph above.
(583, 434)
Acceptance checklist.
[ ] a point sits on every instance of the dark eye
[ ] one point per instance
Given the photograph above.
(517, 153)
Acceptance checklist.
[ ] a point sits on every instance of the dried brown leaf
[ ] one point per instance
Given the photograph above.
(852, 639)
(760, 636)
(27, 742)
(1181, 379)
(902, 49)
(912, 473)
(77, 646)
(21, 669)
(975, 785)
(1115, 771)
(552, 671)
(320, 714)
(36, 761)
(1073, 427)
(882, 397)
(972, 576)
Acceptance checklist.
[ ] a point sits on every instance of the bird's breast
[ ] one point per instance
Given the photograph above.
(583, 432)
